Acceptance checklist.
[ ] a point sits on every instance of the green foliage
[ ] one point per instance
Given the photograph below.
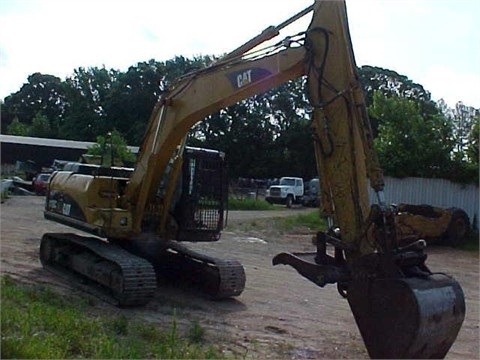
(44, 94)
(112, 144)
(311, 220)
(472, 244)
(119, 325)
(267, 135)
(473, 146)
(4, 195)
(409, 144)
(196, 334)
(248, 204)
(38, 323)
(17, 128)
(264, 135)
(40, 126)
(390, 83)
(88, 91)
(132, 97)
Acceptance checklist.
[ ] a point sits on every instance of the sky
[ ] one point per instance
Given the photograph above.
(435, 43)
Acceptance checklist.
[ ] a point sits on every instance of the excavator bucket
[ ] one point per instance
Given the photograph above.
(402, 310)
(408, 318)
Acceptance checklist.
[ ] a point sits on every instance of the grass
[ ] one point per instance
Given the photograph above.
(472, 243)
(248, 204)
(300, 223)
(4, 196)
(38, 323)
(311, 220)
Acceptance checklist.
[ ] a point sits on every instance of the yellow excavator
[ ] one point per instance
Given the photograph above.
(139, 217)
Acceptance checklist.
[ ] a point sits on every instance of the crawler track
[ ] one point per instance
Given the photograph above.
(118, 276)
(218, 278)
(127, 276)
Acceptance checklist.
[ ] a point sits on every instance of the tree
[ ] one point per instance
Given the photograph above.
(464, 123)
(391, 84)
(267, 135)
(239, 133)
(466, 169)
(132, 97)
(462, 119)
(17, 128)
(45, 94)
(87, 91)
(409, 144)
(112, 150)
(40, 127)
(472, 150)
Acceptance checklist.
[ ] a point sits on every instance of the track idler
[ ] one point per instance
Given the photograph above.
(403, 310)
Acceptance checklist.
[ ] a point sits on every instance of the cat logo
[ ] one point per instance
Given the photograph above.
(242, 78)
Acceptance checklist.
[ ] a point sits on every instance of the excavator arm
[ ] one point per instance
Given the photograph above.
(341, 130)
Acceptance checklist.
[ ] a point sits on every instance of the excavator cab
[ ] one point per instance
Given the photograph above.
(202, 205)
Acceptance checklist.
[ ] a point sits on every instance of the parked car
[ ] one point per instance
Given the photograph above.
(40, 183)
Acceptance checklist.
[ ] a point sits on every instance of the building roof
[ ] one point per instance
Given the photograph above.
(69, 144)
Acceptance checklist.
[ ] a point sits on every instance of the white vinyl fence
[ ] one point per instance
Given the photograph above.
(435, 192)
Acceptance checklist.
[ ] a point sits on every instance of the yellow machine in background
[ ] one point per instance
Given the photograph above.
(175, 193)
(435, 225)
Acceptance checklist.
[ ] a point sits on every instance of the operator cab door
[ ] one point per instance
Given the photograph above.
(200, 211)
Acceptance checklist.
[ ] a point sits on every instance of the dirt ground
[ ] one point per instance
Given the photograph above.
(280, 315)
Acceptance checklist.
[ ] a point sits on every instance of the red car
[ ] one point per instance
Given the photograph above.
(40, 184)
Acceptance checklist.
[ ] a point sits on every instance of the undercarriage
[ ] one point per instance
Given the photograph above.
(129, 277)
